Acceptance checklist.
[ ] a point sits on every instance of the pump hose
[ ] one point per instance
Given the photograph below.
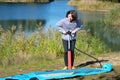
(89, 56)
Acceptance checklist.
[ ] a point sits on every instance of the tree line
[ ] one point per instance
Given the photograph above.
(112, 0)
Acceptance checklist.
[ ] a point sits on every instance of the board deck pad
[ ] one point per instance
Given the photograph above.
(59, 74)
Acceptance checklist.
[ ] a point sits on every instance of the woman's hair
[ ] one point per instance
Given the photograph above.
(73, 13)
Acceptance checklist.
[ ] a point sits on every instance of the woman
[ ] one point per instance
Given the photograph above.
(70, 24)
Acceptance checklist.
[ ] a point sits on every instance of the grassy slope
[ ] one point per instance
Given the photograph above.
(58, 64)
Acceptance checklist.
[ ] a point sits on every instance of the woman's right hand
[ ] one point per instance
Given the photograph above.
(64, 32)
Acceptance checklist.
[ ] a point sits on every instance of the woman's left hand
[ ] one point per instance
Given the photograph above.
(73, 32)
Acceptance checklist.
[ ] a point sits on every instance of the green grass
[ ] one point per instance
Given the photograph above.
(53, 64)
(17, 49)
(31, 67)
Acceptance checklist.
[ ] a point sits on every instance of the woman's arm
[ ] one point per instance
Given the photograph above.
(59, 26)
(78, 26)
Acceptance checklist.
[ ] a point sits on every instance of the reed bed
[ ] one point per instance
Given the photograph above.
(16, 48)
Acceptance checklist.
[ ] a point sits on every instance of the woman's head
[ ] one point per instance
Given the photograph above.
(71, 15)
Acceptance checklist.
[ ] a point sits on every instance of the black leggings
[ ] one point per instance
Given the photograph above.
(72, 46)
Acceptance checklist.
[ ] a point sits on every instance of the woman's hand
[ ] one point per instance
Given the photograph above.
(64, 32)
(73, 32)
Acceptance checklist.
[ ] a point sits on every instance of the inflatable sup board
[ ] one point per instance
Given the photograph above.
(59, 74)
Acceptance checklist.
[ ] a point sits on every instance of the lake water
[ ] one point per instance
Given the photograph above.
(31, 14)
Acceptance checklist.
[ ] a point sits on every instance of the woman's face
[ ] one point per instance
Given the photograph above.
(70, 18)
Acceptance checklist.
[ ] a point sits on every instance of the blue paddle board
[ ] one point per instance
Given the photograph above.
(59, 74)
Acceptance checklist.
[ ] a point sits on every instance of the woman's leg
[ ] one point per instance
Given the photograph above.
(72, 46)
(65, 46)
(72, 50)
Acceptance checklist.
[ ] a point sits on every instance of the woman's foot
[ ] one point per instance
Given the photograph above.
(65, 68)
(73, 67)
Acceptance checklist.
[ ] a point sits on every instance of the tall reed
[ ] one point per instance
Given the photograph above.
(16, 48)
